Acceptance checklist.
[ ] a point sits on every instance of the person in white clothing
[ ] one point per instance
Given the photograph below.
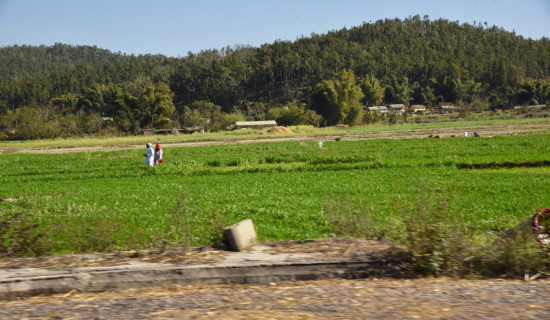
(150, 155)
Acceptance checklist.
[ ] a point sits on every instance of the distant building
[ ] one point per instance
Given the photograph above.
(397, 108)
(445, 107)
(418, 108)
(538, 107)
(381, 109)
(255, 124)
(148, 132)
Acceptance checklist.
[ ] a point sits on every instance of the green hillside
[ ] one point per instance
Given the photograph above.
(411, 61)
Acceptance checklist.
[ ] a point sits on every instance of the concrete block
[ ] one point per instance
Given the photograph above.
(241, 235)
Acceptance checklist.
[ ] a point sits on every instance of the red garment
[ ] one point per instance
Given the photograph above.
(158, 154)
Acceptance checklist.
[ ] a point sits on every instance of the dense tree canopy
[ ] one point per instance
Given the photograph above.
(411, 61)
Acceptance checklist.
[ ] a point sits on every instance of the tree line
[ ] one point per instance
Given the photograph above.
(323, 79)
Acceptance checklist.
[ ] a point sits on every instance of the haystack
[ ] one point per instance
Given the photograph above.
(279, 129)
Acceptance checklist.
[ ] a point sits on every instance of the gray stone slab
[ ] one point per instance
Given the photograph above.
(241, 235)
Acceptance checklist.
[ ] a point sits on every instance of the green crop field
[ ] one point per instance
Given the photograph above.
(287, 188)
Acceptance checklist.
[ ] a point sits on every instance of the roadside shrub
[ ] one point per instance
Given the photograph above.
(184, 225)
(515, 255)
(439, 243)
(517, 252)
(96, 232)
(351, 220)
(19, 236)
(23, 234)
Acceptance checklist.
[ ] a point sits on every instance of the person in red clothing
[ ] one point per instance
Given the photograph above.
(158, 154)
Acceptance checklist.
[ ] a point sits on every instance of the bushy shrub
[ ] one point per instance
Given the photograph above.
(184, 223)
(439, 243)
(372, 117)
(34, 123)
(351, 220)
(515, 256)
(19, 235)
(225, 120)
(293, 116)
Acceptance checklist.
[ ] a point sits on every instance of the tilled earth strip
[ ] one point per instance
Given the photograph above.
(322, 299)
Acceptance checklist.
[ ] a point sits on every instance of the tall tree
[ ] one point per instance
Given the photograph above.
(400, 91)
(372, 90)
(338, 101)
(324, 100)
(156, 105)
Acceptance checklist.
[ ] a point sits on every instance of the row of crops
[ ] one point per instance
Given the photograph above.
(286, 188)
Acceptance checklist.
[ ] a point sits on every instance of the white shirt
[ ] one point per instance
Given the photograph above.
(149, 156)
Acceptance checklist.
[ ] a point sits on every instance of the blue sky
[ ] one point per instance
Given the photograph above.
(176, 27)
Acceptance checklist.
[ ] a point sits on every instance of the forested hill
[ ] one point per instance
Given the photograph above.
(411, 61)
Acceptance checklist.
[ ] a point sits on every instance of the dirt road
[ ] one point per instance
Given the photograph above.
(484, 129)
(324, 299)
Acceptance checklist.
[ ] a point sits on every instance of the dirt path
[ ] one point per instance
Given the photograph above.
(485, 130)
(323, 299)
